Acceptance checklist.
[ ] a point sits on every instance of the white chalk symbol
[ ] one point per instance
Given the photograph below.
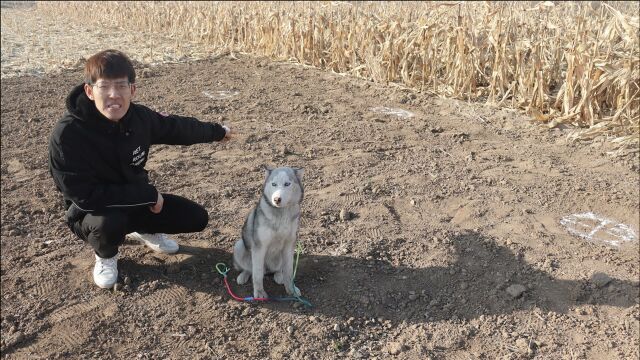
(392, 111)
(595, 228)
(220, 94)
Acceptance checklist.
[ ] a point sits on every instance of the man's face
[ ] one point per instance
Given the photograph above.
(111, 96)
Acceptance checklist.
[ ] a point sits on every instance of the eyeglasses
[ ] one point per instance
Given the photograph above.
(119, 86)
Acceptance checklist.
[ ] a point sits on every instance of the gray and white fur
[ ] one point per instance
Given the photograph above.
(270, 232)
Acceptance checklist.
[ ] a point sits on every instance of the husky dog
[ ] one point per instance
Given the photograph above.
(270, 231)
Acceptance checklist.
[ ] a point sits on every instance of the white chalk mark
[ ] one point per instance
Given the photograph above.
(220, 94)
(595, 228)
(391, 111)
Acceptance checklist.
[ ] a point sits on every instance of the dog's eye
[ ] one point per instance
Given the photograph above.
(287, 184)
(274, 184)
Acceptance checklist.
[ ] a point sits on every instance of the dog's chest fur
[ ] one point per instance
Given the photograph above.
(280, 223)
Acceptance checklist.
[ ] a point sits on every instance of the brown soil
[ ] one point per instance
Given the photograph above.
(452, 209)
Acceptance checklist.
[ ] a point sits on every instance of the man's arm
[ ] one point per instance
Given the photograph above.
(181, 130)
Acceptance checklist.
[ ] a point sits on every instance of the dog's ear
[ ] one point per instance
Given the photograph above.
(267, 170)
(299, 172)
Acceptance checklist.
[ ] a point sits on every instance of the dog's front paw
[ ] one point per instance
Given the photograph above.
(293, 291)
(260, 294)
(243, 277)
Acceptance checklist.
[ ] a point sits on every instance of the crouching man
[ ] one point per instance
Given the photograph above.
(97, 154)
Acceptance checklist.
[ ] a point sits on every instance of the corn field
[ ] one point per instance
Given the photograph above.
(574, 63)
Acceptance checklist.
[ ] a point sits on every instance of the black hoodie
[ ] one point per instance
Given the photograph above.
(98, 164)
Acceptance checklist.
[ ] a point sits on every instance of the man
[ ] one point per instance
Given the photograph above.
(97, 154)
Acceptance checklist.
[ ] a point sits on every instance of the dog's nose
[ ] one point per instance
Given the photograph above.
(277, 200)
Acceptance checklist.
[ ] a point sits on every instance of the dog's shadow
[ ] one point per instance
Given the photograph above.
(478, 281)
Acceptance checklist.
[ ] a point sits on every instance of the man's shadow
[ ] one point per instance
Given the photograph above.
(472, 284)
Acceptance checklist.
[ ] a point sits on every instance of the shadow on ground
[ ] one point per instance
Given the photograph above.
(474, 285)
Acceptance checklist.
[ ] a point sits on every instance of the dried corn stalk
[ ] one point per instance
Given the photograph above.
(573, 63)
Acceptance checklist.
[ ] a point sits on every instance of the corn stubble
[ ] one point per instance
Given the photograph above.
(563, 63)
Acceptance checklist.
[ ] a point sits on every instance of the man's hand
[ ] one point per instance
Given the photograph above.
(158, 206)
(227, 134)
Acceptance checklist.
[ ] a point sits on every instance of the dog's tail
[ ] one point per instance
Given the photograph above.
(240, 253)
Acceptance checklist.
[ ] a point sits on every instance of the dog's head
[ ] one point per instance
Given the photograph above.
(283, 186)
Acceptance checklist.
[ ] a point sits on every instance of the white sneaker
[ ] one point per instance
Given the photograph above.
(157, 242)
(105, 272)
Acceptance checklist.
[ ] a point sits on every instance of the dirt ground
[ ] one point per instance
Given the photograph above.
(450, 245)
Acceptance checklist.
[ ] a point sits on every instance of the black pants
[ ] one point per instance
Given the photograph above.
(105, 230)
